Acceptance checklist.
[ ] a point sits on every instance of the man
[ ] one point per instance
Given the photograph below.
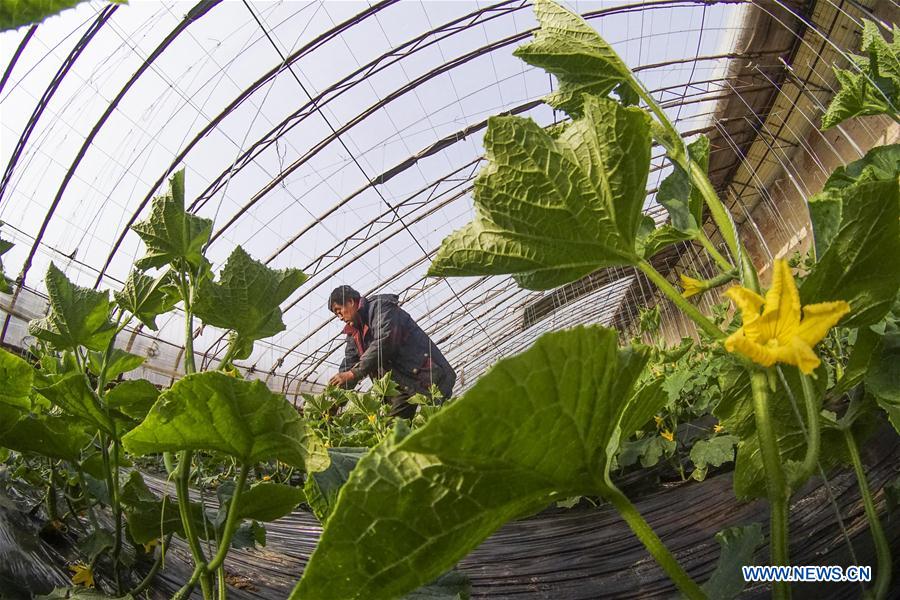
(382, 337)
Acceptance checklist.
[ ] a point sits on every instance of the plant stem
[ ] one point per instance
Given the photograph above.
(117, 515)
(220, 580)
(231, 521)
(811, 459)
(151, 574)
(182, 486)
(651, 541)
(882, 548)
(775, 481)
(715, 254)
(187, 294)
(686, 307)
(188, 587)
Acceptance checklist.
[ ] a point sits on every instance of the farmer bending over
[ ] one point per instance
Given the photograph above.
(382, 337)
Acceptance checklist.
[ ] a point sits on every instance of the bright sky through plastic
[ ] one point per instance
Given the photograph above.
(315, 218)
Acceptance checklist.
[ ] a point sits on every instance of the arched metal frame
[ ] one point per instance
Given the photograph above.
(450, 320)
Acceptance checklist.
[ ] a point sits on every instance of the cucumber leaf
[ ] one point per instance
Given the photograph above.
(738, 544)
(583, 63)
(539, 427)
(134, 398)
(78, 316)
(883, 379)
(17, 13)
(246, 299)
(147, 297)
(53, 437)
(854, 265)
(171, 234)
(16, 377)
(119, 362)
(74, 396)
(873, 89)
(322, 488)
(243, 419)
(268, 501)
(678, 195)
(551, 210)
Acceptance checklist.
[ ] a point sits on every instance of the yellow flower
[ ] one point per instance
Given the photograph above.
(778, 334)
(266, 477)
(659, 421)
(372, 419)
(667, 435)
(691, 286)
(148, 547)
(718, 428)
(82, 574)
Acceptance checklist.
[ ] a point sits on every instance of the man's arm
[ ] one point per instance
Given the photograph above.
(351, 358)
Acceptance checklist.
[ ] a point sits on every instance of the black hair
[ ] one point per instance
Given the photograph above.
(341, 294)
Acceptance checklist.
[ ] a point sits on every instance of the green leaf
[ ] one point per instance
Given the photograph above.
(53, 437)
(249, 535)
(874, 89)
(539, 427)
(95, 543)
(883, 379)
(246, 299)
(78, 316)
(171, 234)
(867, 347)
(267, 501)
(5, 287)
(147, 297)
(73, 394)
(135, 398)
(152, 520)
(17, 13)
(583, 63)
(660, 238)
(713, 452)
(243, 419)
(553, 210)
(738, 544)
(677, 194)
(119, 362)
(322, 488)
(16, 377)
(857, 265)
(80, 593)
(452, 585)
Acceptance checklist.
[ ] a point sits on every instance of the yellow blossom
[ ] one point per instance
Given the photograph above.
(718, 428)
(659, 421)
(691, 286)
(82, 574)
(148, 547)
(372, 419)
(266, 477)
(667, 435)
(778, 334)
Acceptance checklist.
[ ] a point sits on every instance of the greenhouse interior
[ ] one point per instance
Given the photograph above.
(434, 300)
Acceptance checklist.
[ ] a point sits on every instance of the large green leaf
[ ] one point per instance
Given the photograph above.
(268, 501)
(322, 488)
(875, 88)
(5, 288)
(583, 63)
(713, 452)
(243, 419)
(150, 518)
(74, 396)
(147, 297)
(858, 264)
(246, 299)
(541, 426)
(53, 437)
(16, 13)
(683, 201)
(78, 316)
(170, 233)
(659, 238)
(553, 210)
(883, 379)
(117, 363)
(16, 377)
(738, 544)
(134, 398)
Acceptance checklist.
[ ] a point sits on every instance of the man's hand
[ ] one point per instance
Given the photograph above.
(341, 378)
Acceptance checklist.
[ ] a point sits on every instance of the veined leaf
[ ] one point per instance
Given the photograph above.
(583, 63)
(243, 419)
(738, 544)
(73, 394)
(147, 297)
(713, 452)
(150, 518)
(16, 377)
(17, 13)
(135, 398)
(883, 379)
(541, 426)
(322, 488)
(677, 194)
(78, 316)
(5, 288)
(246, 299)
(170, 233)
(268, 501)
(119, 362)
(552, 210)
(659, 238)
(53, 437)
(855, 266)
(875, 89)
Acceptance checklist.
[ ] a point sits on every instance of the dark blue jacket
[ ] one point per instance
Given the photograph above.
(385, 338)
